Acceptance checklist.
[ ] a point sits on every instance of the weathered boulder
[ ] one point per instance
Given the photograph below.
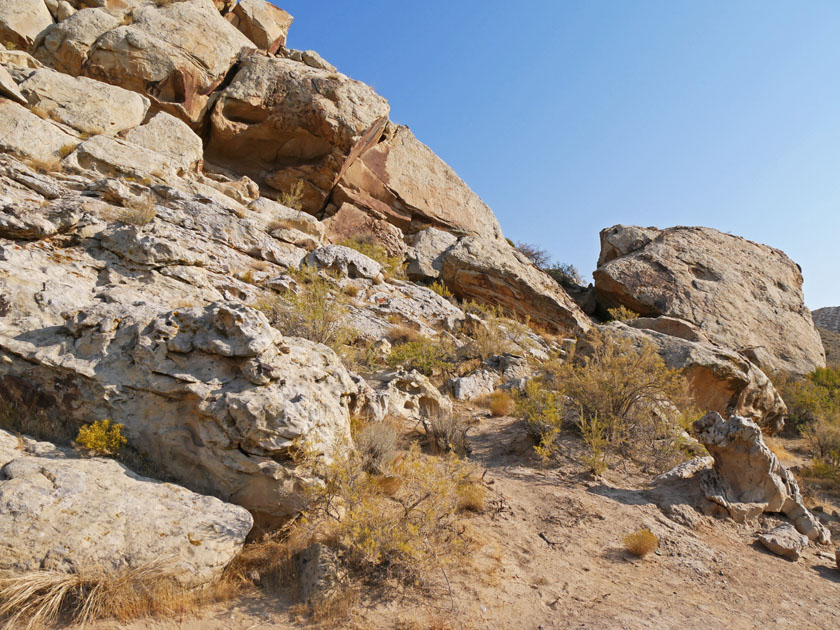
(784, 540)
(742, 295)
(720, 379)
(213, 397)
(346, 261)
(261, 22)
(26, 135)
(408, 394)
(64, 513)
(474, 385)
(175, 54)
(425, 260)
(493, 272)
(116, 157)
(65, 45)
(171, 137)
(88, 106)
(402, 180)
(21, 21)
(282, 122)
(748, 478)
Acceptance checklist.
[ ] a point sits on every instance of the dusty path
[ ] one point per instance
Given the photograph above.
(552, 557)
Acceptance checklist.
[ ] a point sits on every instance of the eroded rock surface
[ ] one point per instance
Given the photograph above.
(63, 513)
(748, 478)
(742, 295)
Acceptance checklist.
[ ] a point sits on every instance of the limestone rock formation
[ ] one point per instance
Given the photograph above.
(784, 540)
(63, 513)
(263, 23)
(748, 479)
(828, 317)
(282, 121)
(21, 21)
(492, 272)
(742, 295)
(720, 380)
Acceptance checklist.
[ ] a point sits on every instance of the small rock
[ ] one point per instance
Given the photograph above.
(785, 541)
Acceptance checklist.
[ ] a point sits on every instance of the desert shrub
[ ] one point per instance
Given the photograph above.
(315, 311)
(593, 431)
(424, 355)
(27, 417)
(293, 198)
(812, 400)
(446, 432)
(824, 442)
(393, 266)
(621, 314)
(403, 334)
(101, 437)
(564, 273)
(537, 255)
(140, 211)
(543, 411)
(500, 403)
(376, 444)
(351, 290)
(442, 290)
(641, 543)
(499, 333)
(407, 529)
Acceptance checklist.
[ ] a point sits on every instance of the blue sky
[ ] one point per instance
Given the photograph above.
(568, 116)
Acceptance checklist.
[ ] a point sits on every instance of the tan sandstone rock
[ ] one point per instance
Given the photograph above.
(65, 45)
(9, 89)
(174, 54)
(171, 137)
(281, 122)
(29, 136)
(493, 272)
(748, 478)
(263, 23)
(21, 21)
(742, 295)
(402, 180)
(62, 513)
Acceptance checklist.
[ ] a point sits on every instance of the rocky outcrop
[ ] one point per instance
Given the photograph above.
(282, 122)
(63, 513)
(493, 272)
(406, 394)
(748, 479)
(425, 260)
(26, 135)
(261, 22)
(720, 379)
(828, 318)
(784, 540)
(402, 180)
(742, 295)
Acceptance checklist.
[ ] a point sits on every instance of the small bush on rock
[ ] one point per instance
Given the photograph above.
(393, 266)
(641, 543)
(292, 198)
(316, 311)
(621, 314)
(424, 355)
(101, 437)
(376, 444)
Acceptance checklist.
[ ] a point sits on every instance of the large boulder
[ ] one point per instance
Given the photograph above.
(212, 397)
(493, 272)
(88, 106)
(282, 122)
(26, 135)
(67, 514)
(65, 45)
(21, 21)
(720, 379)
(743, 295)
(402, 180)
(261, 22)
(171, 137)
(175, 54)
(747, 478)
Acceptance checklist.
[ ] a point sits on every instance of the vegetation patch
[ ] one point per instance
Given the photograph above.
(641, 543)
(101, 438)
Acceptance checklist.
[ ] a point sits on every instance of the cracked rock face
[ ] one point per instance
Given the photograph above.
(742, 295)
(748, 479)
(63, 513)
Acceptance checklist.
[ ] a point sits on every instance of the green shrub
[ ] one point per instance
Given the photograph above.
(543, 412)
(424, 355)
(498, 333)
(316, 311)
(101, 437)
(564, 273)
(442, 290)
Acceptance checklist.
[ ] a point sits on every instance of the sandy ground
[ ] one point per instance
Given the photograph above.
(551, 556)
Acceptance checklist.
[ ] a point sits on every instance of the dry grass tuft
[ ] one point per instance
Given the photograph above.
(641, 543)
(500, 403)
(446, 433)
(377, 446)
(43, 597)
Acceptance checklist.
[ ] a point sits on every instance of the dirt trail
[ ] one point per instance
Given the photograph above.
(552, 557)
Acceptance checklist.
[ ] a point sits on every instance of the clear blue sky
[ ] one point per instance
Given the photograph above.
(568, 116)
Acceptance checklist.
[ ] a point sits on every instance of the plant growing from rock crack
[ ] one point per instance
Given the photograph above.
(393, 266)
(101, 437)
(292, 198)
(621, 314)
